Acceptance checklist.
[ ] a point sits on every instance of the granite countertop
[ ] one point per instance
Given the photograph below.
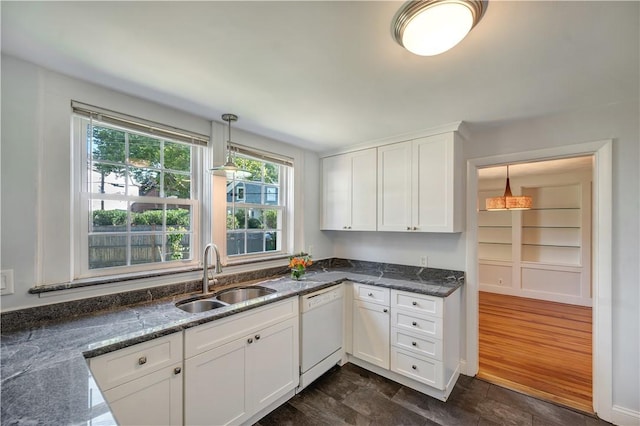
(44, 373)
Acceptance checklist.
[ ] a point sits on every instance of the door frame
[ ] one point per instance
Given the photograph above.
(601, 226)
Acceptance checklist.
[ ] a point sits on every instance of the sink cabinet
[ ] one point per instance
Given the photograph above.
(237, 367)
(148, 374)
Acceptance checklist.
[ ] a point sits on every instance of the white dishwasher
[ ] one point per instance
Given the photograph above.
(321, 328)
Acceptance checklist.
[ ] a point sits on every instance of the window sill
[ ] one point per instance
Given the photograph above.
(87, 282)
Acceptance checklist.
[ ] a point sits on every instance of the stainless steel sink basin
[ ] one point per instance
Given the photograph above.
(241, 294)
(202, 305)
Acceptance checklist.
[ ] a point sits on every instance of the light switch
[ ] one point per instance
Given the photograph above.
(6, 281)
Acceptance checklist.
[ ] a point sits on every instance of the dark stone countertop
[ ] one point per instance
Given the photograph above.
(43, 369)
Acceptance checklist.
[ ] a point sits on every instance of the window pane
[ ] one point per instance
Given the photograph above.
(146, 248)
(107, 251)
(178, 246)
(108, 145)
(106, 179)
(254, 218)
(146, 217)
(108, 216)
(235, 243)
(240, 215)
(255, 167)
(272, 219)
(271, 241)
(177, 185)
(144, 151)
(255, 242)
(271, 195)
(177, 156)
(178, 218)
(271, 173)
(236, 192)
(144, 182)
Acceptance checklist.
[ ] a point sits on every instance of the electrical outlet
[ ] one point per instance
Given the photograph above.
(423, 261)
(6, 281)
(310, 249)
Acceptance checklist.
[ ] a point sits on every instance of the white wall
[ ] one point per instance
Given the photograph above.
(37, 214)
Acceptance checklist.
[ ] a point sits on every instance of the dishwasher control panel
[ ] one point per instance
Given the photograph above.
(313, 300)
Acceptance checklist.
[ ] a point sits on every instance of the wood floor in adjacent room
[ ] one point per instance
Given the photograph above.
(540, 348)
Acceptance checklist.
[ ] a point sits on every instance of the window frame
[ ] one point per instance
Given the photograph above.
(286, 190)
(82, 209)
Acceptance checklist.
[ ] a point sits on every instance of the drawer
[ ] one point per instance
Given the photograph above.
(216, 333)
(420, 345)
(422, 324)
(425, 370)
(420, 303)
(370, 293)
(118, 367)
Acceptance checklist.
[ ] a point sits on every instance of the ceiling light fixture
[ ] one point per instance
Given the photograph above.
(229, 166)
(508, 201)
(431, 27)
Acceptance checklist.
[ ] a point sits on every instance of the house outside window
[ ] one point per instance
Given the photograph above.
(136, 203)
(256, 207)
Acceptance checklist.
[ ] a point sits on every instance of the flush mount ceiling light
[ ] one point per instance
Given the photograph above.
(508, 201)
(431, 27)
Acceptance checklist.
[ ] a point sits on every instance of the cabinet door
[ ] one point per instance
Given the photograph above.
(215, 385)
(371, 333)
(394, 187)
(436, 184)
(272, 363)
(154, 399)
(363, 190)
(336, 192)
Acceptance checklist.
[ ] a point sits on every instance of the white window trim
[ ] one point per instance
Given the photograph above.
(80, 211)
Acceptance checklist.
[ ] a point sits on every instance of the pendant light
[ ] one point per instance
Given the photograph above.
(229, 166)
(508, 201)
(431, 27)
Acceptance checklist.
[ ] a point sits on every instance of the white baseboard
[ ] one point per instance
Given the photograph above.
(624, 417)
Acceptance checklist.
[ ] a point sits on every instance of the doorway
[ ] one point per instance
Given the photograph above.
(601, 260)
(535, 329)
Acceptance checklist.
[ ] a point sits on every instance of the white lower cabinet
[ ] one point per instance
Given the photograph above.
(143, 383)
(371, 333)
(253, 364)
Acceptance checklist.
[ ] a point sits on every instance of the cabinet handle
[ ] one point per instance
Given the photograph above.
(257, 337)
(177, 370)
(414, 323)
(408, 228)
(344, 227)
(415, 228)
(414, 343)
(142, 360)
(385, 310)
(249, 340)
(370, 294)
(414, 367)
(414, 303)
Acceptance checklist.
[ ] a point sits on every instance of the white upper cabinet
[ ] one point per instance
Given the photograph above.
(349, 191)
(420, 185)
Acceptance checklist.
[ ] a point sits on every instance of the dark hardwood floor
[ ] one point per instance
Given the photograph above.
(350, 395)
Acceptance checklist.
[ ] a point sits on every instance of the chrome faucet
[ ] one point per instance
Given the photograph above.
(205, 268)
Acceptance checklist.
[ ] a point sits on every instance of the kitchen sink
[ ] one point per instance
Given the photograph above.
(241, 294)
(202, 305)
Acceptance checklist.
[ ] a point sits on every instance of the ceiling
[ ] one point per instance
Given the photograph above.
(537, 168)
(325, 75)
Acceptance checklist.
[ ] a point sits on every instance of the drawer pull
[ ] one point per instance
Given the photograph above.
(414, 343)
(142, 360)
(414, 367)
(177, 370)
(257, 337)
(370, 294)
(414, 303)
(414, 323)
(385, 310)
(249, 340)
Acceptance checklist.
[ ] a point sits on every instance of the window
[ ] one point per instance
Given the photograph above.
(137, 201)
(256, 206)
